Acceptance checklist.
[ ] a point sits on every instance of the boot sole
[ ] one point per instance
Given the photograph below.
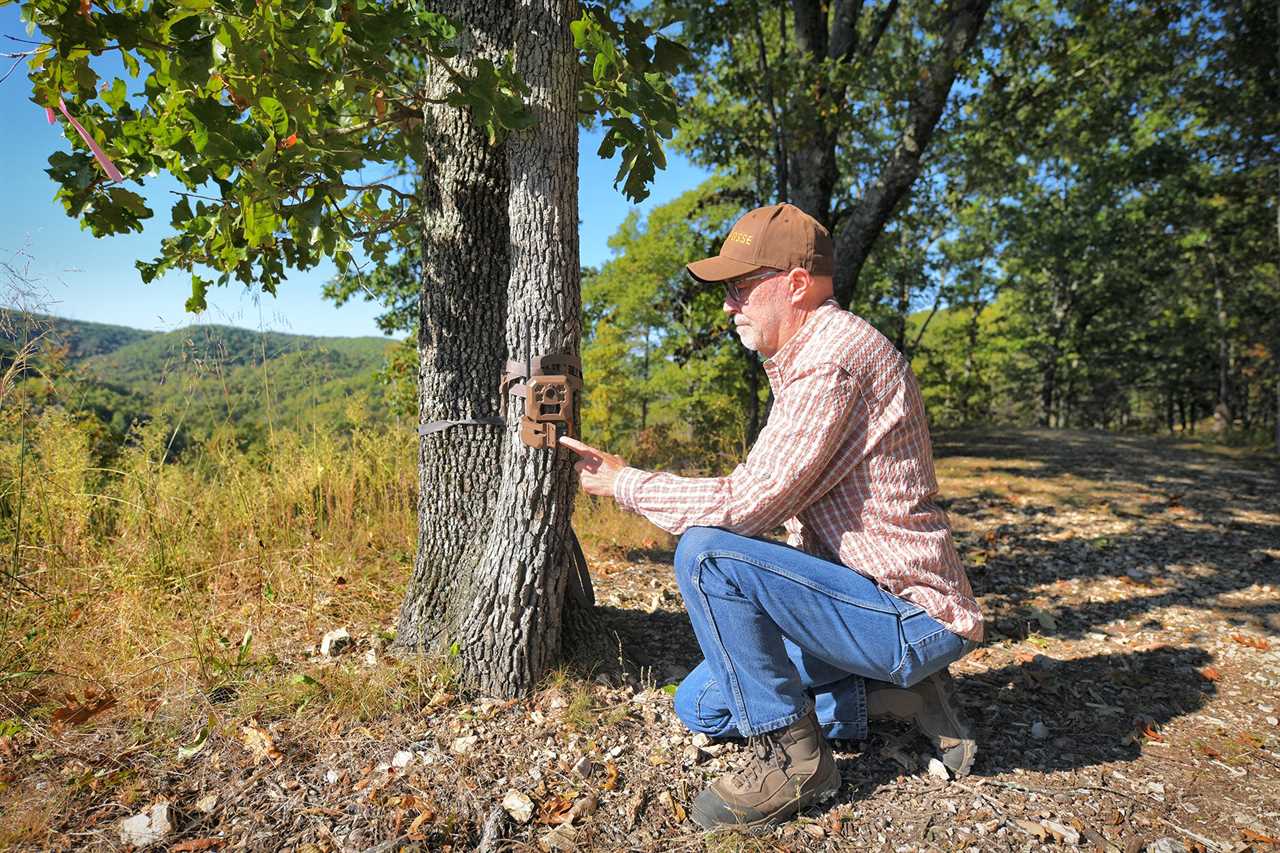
(825, 791)
(908, 708)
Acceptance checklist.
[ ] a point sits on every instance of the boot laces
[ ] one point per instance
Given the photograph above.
(768, 754)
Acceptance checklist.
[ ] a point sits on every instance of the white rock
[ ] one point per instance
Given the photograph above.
(147, 827)
(334, 642)
(519, 806)
(1273, 721)
(403, 758)
(206, 804)
(1061, 832)
(583, 766)
(1039, 730)
(616, 751)
(370, 657)
(1166, 845)
(701, 740)
(465, 745)
(561, 838)
(938, 770)
(332, 777)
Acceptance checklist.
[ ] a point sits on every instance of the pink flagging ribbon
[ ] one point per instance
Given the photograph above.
(103, 160)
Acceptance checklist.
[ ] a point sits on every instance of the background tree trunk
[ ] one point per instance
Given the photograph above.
(500, 281)
(1222, 414)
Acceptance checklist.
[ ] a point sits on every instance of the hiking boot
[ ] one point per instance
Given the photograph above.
(928, 705)
(790, 769)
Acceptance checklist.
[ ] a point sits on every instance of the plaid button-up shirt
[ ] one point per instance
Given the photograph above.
(844, 463)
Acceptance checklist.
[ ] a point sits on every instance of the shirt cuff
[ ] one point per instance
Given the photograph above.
(625, 487)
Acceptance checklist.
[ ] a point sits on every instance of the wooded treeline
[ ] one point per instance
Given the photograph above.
(1091, 240)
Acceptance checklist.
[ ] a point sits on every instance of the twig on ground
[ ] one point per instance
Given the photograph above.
(491, 835)
(1207, 842)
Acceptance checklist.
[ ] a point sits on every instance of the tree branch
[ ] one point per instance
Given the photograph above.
(401, 194)
(858, 233)
(878, 31)
(844, 29)
(779, 140)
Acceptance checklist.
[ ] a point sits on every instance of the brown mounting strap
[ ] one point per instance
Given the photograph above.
(548, 384)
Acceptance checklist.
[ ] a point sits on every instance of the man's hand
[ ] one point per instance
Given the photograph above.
(596, 469)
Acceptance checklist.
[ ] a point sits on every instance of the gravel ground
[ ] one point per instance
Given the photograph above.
(1126, 699)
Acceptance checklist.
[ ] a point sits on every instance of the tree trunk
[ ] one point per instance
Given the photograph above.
(775, 121)
(1222, 411)
(500, 280)
(461, 343)
(812, 146)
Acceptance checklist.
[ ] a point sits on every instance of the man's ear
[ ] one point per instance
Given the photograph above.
(799, 283)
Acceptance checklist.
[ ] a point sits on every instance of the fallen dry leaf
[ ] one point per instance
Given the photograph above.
(195, 844)
(669, 803)
(418, 821)
(1211, 674)
(1252, 642)
(1258, 838)
(555, 811)
(610, 776)
(259, 742)
(76, 713)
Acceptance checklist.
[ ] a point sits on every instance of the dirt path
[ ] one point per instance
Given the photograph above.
(1126, 699)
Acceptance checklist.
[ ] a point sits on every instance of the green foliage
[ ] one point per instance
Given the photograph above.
(264, 112)
(666, 379)
(625, 68)
(260, 110)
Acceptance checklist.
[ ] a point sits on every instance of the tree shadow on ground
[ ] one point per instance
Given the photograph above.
(1203, 527)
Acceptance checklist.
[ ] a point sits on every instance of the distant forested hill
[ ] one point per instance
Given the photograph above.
(205, 378)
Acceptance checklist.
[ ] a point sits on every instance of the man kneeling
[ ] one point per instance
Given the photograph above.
(865, 606)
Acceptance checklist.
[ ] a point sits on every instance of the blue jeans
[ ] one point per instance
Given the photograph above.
(783, 632)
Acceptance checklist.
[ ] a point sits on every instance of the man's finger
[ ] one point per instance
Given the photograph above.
(586, 451)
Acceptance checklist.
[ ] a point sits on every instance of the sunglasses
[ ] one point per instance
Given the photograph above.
(736, 289)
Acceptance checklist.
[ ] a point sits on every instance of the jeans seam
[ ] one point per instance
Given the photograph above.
(745, 723)
(778, 570)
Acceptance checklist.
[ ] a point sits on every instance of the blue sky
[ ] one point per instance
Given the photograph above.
(94, 279)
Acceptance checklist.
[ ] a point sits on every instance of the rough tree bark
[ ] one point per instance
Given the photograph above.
(500, 280)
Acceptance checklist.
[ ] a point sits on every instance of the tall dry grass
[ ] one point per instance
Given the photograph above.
(131, 577)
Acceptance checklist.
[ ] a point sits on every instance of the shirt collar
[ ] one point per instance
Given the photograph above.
(784, 360)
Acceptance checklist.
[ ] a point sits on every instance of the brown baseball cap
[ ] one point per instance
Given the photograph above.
(781, 236)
